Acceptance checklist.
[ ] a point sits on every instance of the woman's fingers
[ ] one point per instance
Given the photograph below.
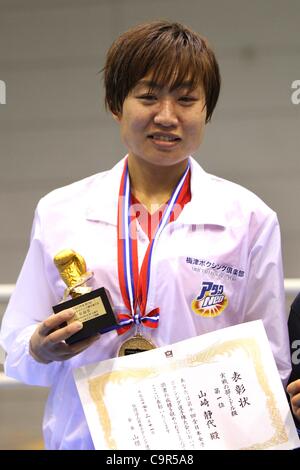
(54, 321)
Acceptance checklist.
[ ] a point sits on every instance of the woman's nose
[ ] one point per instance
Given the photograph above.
(166, 114)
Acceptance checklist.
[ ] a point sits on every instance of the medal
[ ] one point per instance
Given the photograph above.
(135, 344)
(134, 285)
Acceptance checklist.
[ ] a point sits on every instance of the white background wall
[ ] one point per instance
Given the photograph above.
(54, 129)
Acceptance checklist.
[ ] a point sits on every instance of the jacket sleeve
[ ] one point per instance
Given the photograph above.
(294, 332)
(265, 297)
(29, 304)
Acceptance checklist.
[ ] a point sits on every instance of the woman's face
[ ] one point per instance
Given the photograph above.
(160, 125)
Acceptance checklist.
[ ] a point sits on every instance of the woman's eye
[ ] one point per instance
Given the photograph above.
(147, 97)
(187, 99)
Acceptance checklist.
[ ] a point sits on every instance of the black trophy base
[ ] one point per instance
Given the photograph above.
(86, 305)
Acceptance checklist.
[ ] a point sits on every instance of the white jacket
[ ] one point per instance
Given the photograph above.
(225, 242)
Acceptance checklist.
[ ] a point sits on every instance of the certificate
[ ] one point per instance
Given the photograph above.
(220, 390)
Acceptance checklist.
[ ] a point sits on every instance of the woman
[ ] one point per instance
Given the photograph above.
(179, 250)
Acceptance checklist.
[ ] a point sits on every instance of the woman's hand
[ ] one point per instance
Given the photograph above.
(293, 390)
(47, 342)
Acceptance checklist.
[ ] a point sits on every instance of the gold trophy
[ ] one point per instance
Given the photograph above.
(72, 270)
(92, 308)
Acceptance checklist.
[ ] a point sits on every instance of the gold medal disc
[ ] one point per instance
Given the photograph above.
(134, 345)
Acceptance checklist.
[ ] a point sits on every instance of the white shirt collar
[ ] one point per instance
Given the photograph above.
(207, 203)
(205, 207)
(103, 195)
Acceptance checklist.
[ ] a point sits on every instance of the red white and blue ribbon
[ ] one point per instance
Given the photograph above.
(134, 286)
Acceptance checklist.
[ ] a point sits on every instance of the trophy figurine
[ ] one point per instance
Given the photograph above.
(92, 308)
(72, 270)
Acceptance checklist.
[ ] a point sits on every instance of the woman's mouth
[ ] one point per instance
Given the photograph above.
(164, 139)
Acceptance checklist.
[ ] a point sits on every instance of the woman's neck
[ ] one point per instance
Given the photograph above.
(151, 184)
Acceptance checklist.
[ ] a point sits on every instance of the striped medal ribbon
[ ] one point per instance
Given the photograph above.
(134, 286)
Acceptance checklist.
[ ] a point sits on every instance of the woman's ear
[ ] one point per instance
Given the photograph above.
(116, 116)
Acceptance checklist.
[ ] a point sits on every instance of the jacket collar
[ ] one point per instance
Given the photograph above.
(207, 204)
(103, 196)
(205, 207)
